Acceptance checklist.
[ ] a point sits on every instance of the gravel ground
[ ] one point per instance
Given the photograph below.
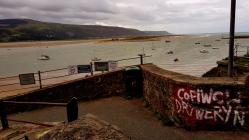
(137, 122)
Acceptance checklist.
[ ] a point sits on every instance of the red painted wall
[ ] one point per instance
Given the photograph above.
(206, 107)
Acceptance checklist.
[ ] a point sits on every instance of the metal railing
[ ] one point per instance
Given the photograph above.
(9, 82)
(71, 109)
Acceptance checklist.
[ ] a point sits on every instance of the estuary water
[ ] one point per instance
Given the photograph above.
(187, 50)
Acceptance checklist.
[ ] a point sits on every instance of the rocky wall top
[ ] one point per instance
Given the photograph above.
(181, 78)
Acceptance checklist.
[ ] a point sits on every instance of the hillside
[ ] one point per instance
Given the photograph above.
(28, 30)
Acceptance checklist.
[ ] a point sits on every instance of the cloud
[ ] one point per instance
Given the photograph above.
(177, 16)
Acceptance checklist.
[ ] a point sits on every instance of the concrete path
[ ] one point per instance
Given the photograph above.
(137, 122)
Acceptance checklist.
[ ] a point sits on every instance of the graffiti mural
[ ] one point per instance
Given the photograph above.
(207, 107)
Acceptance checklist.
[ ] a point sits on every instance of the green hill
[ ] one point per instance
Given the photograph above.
(29, 30)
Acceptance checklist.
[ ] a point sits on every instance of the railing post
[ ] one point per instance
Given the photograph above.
(40, 82)
(26, 137)
(72, 110)
(141, 59)
(3, 116)
(91, 64)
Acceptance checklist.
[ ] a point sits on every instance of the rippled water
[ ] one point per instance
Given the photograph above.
(23, 60)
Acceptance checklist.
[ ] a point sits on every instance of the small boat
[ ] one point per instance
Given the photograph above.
(197, 43)
(204, 51)
(170, 52)
(167, 41)
(96, 59)
(44, 57)
(176, 59)
(215, 48)
(207, 45)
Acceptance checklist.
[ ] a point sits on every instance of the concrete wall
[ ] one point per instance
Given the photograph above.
(196, 103)
(103, 85)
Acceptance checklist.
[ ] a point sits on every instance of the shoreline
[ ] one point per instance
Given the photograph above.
(97, 41)
(43, 43)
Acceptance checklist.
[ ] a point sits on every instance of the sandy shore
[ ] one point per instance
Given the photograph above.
(44, 43)
(98, 41)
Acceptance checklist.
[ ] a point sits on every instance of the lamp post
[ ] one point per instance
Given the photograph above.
(231, 42)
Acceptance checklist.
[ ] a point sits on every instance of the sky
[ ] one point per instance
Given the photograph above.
(175, 16)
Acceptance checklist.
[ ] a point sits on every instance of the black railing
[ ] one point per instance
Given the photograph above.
(39, 78)
(71, 109)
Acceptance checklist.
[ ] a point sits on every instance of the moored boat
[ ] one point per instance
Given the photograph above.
(208, 45)
(170, 52)
(44, 57)
(204, 51)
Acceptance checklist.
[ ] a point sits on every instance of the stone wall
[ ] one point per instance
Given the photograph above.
(102, 85)
(191, 102)
(241, 68)
(196, 103)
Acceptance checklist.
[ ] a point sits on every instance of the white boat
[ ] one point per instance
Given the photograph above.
(44, 57)
(204, 51)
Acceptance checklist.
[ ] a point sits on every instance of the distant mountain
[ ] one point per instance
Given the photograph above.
(27, 30)
(157, 33)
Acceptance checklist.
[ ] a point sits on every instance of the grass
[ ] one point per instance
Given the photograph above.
(34, 30)
(242, 61)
